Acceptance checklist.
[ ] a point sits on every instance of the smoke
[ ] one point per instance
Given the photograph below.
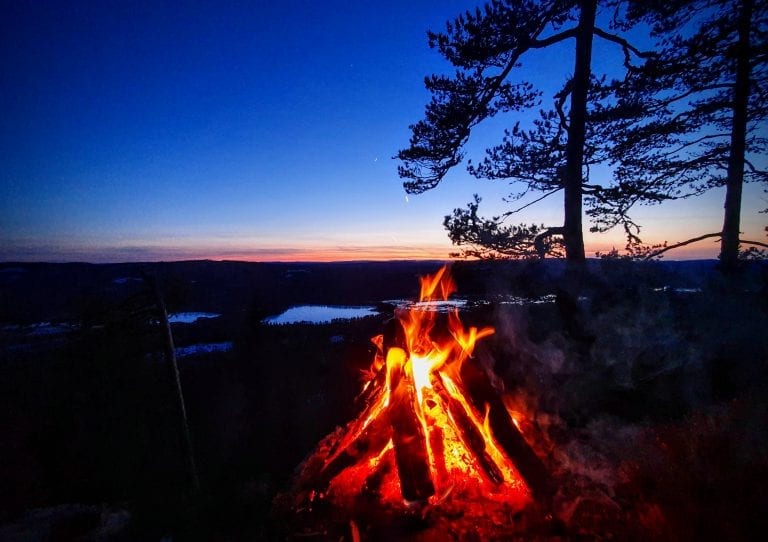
(634, 397)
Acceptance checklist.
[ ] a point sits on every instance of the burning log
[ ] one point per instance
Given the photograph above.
(408, 438)
(420, 429)
(531, 468)
(436, 434)
(360, 439)
(393, 336)
(366, 444)
(469, 433)
(372, 484)
(372, 387)
(373, 400)
(408, 435)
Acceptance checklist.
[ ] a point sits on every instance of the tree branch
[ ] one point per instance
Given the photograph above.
(539, 242)
(692, 143)
(753, 169)
(756, 243)
(537, 200)
(560, 98)
(696, 90)
(700, 238)
(449, 155)
(625, 45)
(539, 44)
(656, 253)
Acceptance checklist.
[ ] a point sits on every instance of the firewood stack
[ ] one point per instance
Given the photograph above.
(388, 417)
(432, 432)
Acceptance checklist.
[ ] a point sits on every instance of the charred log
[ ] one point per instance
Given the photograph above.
(436, 436)
(528, 464)
(367, 397)
(408, 438)
(367, 444)
(469, 433)
(372, 484)
(374, 403)
(395, 337)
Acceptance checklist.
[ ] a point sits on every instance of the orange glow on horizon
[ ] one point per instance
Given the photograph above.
(337, 254)
(188, 249)
(706, 249)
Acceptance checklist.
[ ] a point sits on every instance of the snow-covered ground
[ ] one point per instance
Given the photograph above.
(319, 314)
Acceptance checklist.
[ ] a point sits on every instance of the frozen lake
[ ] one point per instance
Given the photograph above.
(40, 328)
(319, 314)
(189, 317)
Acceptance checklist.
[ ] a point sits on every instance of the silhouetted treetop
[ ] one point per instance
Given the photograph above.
(489, 40)
(556, 153)
(489, 36)
(706, 95)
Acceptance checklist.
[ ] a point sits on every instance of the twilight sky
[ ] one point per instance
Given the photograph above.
(247, 130)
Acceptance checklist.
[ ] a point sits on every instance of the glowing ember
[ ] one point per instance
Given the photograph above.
(423, 435)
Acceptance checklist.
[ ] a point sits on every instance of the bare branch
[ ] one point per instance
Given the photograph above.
(694, 142)
(625, 46)
(753, 169)
(756, 243)
(559, 104)
(537, 200)
(656, 253)
(696, 90)
(562, 36)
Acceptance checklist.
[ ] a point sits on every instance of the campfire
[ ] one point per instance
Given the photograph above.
(432, 427)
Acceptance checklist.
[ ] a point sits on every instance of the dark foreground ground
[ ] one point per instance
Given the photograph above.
(644, 389)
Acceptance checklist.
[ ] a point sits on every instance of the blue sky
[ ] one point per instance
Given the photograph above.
(146, 130)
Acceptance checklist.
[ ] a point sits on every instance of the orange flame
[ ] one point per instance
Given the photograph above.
(440, 281)
(460, 446)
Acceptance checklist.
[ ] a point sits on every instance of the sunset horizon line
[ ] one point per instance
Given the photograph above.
(329, 254)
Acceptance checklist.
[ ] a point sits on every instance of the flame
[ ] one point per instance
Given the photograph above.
(458, 441)
(440, 281)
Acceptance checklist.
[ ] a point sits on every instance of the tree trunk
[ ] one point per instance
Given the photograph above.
(729, 247)
(572, 234)
(173, 373)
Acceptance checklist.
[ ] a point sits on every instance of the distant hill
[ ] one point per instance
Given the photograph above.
(34, 292)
